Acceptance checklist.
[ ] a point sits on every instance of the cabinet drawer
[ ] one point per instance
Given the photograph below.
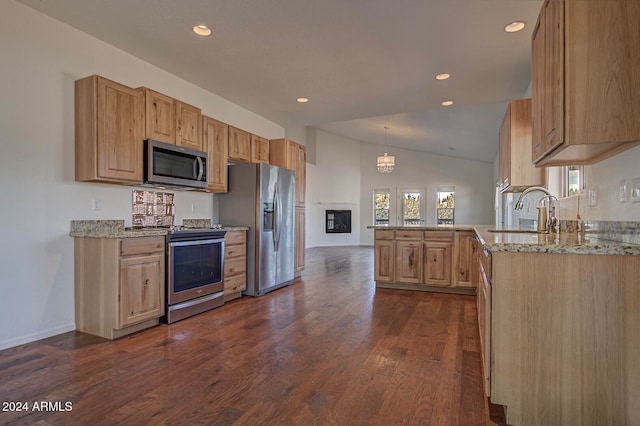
(235, 266)
(141, 245)
(235, 250)
(235, 283)
(383, 234)
(408, 235)
(438, 235)
(235, 237)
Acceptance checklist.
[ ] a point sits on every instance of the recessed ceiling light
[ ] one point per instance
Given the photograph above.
(303, 100)
(447, 103)
(442, 76)
(202, 30)
(515, 26)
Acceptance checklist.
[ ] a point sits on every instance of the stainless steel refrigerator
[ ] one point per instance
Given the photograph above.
(262, 197)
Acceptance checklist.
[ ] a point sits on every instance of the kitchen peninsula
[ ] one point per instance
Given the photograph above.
(557, 314)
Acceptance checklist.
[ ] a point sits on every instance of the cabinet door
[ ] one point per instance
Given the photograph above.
(553, 109)
(384, 260)
(259, 149)
(301, 173)
(160, 118)
(141, 294)
(547, 86)
(239, 144)
(505, 154)
(463, 258)
(188, 126)
(109, 127)
(299, 239)
(216, 139)
(408, 261)
(538, 64)
(437, 263)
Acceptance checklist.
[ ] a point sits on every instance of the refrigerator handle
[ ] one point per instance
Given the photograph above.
(276, 219)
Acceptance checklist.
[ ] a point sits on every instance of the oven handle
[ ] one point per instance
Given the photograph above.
(192, 242)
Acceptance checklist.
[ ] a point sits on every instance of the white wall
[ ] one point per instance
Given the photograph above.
(41, 59)
(333, 183)
(346, 175)
(473, 182)
(605, 177)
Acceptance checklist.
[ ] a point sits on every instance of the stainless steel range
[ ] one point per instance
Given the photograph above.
(195, 259)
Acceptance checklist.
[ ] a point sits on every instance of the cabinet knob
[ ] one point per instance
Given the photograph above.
(146, 282)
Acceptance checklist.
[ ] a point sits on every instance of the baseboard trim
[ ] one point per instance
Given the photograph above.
(21, 340)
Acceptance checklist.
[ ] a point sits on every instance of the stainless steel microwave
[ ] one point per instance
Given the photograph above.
(171, 165)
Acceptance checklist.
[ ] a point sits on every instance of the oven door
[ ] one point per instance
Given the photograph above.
(194, 269)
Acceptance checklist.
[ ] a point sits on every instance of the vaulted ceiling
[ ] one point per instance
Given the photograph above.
(363, 64)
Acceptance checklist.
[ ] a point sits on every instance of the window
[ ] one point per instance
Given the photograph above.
(381, 205)
(575, 180)
(412, 206)
(445, 206)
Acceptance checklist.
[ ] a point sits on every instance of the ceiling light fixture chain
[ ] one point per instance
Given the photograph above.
(386, 162)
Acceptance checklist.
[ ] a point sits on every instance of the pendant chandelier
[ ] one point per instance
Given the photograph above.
(386, 162)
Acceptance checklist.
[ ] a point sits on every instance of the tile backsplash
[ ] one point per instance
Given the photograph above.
(153, 208)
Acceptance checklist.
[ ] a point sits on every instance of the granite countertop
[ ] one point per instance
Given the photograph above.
(593, 240)
(116, 229)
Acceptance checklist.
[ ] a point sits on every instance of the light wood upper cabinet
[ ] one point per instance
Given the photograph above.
(293, 156)
(109, 129)
(188, 126)
(259, 149)
(215, 136)
(172, 121)
(585, 89)
(516, 168)
(160, 117)
(239, 145)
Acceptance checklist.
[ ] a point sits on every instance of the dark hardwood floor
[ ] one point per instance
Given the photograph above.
(329, 350)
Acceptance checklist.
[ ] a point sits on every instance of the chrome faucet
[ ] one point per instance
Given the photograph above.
(551, 222)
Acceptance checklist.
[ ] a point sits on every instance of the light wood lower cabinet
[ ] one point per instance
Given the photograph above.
(409, 261)
(235, 264)
(437, 263)
(424, 259)
(565, 340)
(119, 284)
(463, 259)
(482, 279)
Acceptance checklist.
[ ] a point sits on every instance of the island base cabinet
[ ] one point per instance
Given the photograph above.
(384, 260)
(425, 260)
(565, 340)
(437, 263)
(119, 284)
